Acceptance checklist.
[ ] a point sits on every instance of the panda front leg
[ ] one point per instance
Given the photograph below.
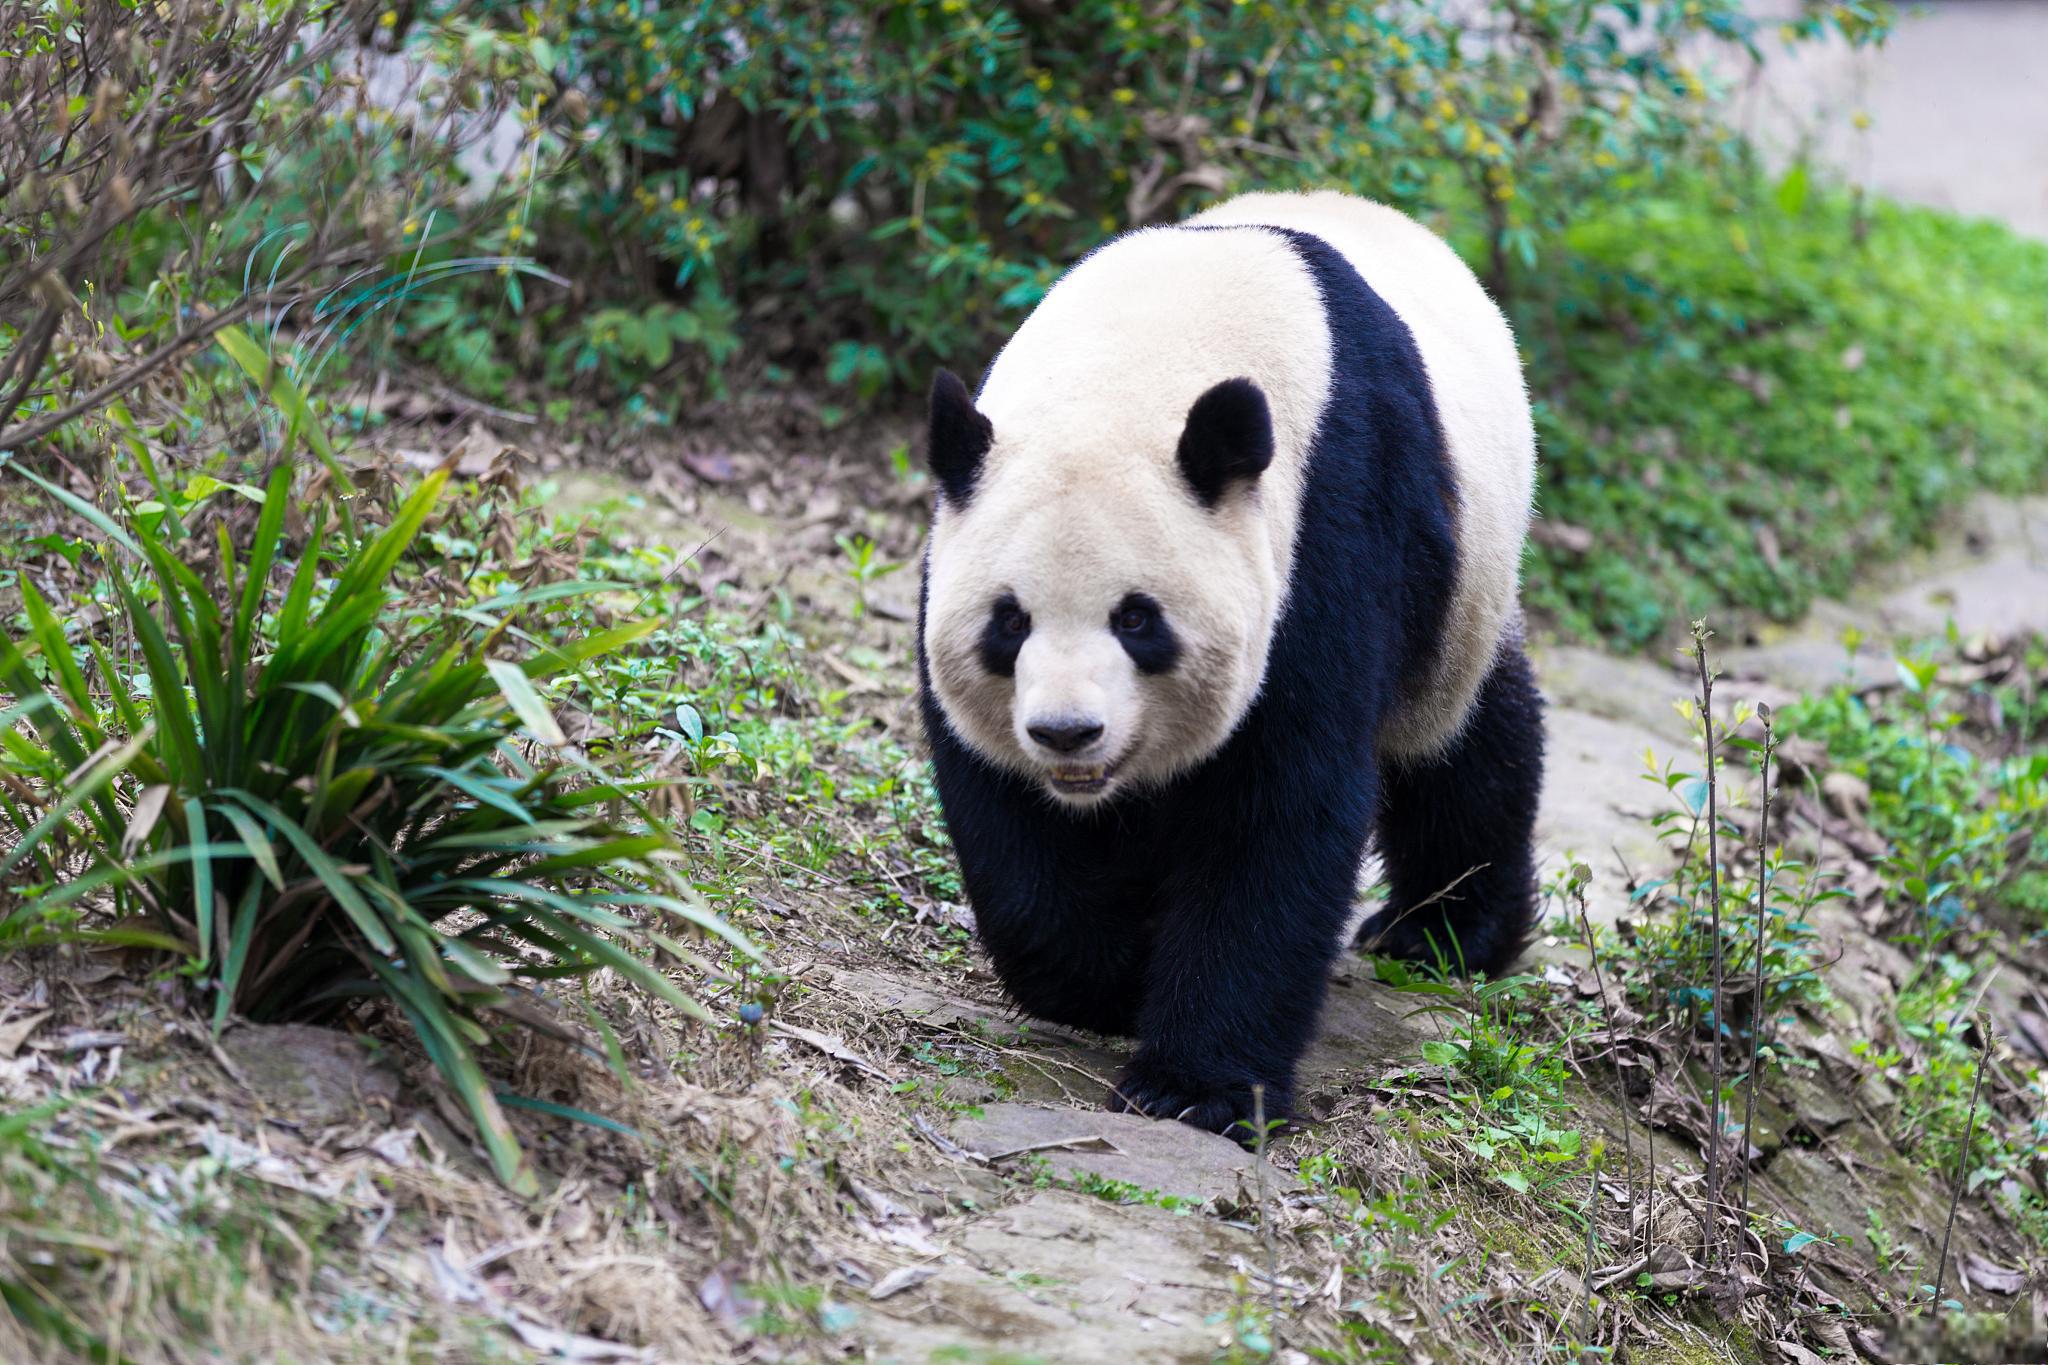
(1252, 915)
(1055, 901)
(1457, 835)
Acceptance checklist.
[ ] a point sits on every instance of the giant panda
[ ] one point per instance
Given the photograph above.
(1222, 584)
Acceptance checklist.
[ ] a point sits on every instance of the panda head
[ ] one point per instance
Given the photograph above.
(1101, 588)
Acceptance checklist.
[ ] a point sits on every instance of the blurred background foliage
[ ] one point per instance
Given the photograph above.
(917, 172)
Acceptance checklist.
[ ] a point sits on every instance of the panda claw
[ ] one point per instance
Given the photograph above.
(1226, 1108)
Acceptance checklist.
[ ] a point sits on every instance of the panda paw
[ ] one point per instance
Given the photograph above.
(1408, 937)
(1162, 1092)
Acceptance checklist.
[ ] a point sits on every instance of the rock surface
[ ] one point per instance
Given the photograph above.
(1171, 1158)
(1067, 1277)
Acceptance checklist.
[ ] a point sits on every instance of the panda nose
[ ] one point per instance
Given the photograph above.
(1065, 736)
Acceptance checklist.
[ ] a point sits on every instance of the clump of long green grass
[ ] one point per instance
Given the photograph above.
(314, 791)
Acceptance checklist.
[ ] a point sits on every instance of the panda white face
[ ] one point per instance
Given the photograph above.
(1099, 625)
(1117, 510)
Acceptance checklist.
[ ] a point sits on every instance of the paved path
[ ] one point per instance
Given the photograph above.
(1957, 101)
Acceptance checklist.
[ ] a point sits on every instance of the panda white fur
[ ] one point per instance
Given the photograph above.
(1222, 582)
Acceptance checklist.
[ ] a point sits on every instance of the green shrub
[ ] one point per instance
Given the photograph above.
(318, 791)
(895, 183)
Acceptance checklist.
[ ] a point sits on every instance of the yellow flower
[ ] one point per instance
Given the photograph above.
(388, 19)
(1862, 120)
(1124, 94)
(514, 233)
(676, 206)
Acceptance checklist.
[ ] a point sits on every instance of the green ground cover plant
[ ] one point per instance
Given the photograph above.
(1747, 392)
(1957, 784)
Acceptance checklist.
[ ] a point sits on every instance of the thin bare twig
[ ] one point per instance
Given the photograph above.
(1756, 1003)
(1700, 636)
(1265, 1206)
(1955, 1197)
(1581, 874)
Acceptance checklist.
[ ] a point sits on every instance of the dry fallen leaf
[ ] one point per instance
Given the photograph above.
(1847, 793)
(15, 1032)
(711, 466)
(142, 821)
(830, 1046)
(900, 1279)
(1992, 1276)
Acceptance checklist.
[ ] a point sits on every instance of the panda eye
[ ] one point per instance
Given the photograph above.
(1013, 622)
(1131, 620)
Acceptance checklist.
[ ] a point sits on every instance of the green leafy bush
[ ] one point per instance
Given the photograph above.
(912, 174)
(317, 792)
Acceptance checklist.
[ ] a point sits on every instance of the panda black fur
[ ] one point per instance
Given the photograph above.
(1219, 589)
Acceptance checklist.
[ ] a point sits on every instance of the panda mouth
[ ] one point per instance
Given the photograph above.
(1083, 780)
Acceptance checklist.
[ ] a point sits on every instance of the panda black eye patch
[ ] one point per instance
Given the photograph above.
(1009, 626)
(1140, 627)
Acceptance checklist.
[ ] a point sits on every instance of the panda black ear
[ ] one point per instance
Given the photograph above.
(960, 436)
(1229, 436)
